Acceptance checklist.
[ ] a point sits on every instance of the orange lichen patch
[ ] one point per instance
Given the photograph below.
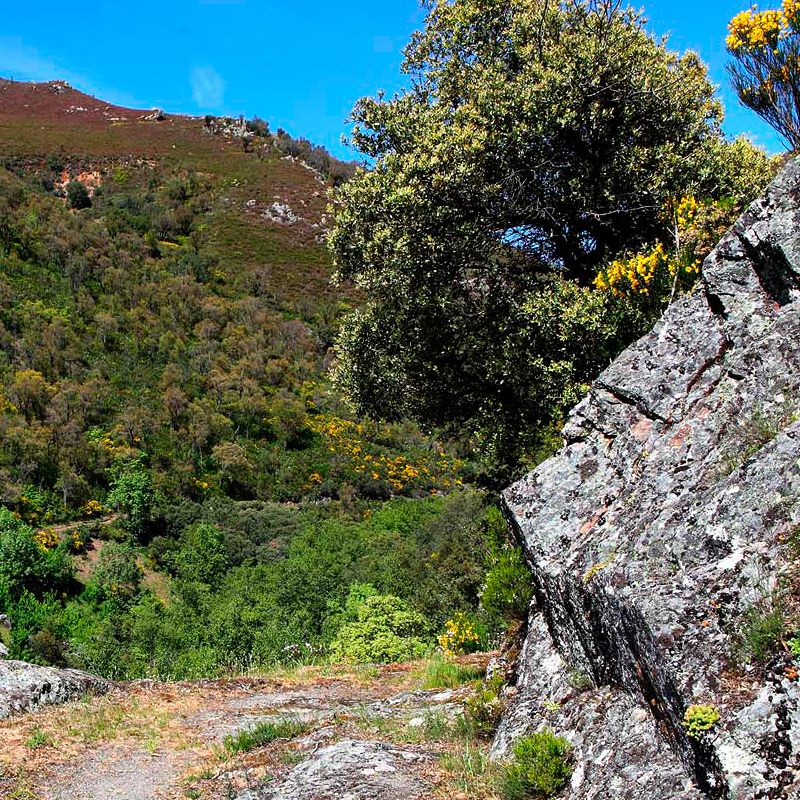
(679, 439)
(598, 515)
(642, 429)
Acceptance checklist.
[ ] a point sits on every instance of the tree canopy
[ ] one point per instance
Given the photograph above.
(537, 141)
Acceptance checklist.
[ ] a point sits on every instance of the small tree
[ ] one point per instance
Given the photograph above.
(78, 195)
(765, 72)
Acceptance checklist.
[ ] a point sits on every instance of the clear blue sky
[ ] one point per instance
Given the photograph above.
(301, 66)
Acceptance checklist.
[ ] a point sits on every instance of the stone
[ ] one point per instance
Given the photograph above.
(352, 770)
(662, 520)
(3, 651)
(27, 687)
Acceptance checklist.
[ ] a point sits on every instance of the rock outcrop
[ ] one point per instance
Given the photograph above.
(664, 527)
(355, 770)
(26, 687)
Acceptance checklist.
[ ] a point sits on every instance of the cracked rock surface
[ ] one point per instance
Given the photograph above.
(353, 770)
(660, 523)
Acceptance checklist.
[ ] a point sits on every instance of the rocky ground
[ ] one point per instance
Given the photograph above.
(367, 733)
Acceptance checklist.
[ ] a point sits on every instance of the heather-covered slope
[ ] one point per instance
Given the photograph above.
(663, 542)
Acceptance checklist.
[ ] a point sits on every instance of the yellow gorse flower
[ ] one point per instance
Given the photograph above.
(459, 635)
(753, 30)
(46, 539)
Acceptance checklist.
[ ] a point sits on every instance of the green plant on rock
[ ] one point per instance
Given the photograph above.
(763, 628)
(540, 767)
(700, 719)
(484, 708)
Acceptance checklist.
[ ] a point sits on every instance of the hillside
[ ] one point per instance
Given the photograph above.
(183, 493)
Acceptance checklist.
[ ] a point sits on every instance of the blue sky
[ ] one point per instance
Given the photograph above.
(299, 66)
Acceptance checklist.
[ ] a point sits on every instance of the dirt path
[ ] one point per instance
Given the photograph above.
(151, 741)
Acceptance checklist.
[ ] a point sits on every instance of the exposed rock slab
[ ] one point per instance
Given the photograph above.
(662, 520)
(353, 770)
(27, 687)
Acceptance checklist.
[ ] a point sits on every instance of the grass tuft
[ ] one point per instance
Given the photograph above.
(262, 734)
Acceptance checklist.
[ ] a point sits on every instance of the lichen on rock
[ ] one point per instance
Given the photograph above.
(679, 475)
(27, 687)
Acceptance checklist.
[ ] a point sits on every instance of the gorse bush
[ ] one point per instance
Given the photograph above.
(765, 70)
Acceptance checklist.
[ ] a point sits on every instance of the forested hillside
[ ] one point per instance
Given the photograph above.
(182, 490)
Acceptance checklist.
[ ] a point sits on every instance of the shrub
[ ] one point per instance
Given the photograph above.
(27, 565)
(485, 707)
(508, 588)
(385, 630)
(78, 195)
(117, 574)
(700, 719)
(459, 635)
(540, 767)
(132, 492)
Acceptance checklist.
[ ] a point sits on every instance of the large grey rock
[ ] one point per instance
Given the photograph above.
(27, 687)
(660, 523)
(352, 770)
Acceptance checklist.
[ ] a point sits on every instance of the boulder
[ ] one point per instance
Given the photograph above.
(352, 770)
(27, 687)
(665, 523)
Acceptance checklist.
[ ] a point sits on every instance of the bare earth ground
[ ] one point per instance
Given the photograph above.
(148, 740)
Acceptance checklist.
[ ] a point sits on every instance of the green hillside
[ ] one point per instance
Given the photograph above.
(183, 491)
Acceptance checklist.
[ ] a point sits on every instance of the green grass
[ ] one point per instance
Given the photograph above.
(763, 629)
(439, 674)
(262, 734)
(37, 739)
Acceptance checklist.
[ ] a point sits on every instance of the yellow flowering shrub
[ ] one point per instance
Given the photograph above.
(649, 277)
(459, 636)
(76, 542)
(92, 508)
(352, 443)
(766, 68)
(46, 539)
(754, 29)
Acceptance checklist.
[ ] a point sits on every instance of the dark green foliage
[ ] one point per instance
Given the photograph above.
(508, 587)
(540, 768)
(26, 566)
(78, 195)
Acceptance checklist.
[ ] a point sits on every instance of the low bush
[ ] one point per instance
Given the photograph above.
(540, 767)
(386, 629)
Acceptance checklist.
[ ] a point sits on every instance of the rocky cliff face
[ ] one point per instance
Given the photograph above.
(663, 527)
